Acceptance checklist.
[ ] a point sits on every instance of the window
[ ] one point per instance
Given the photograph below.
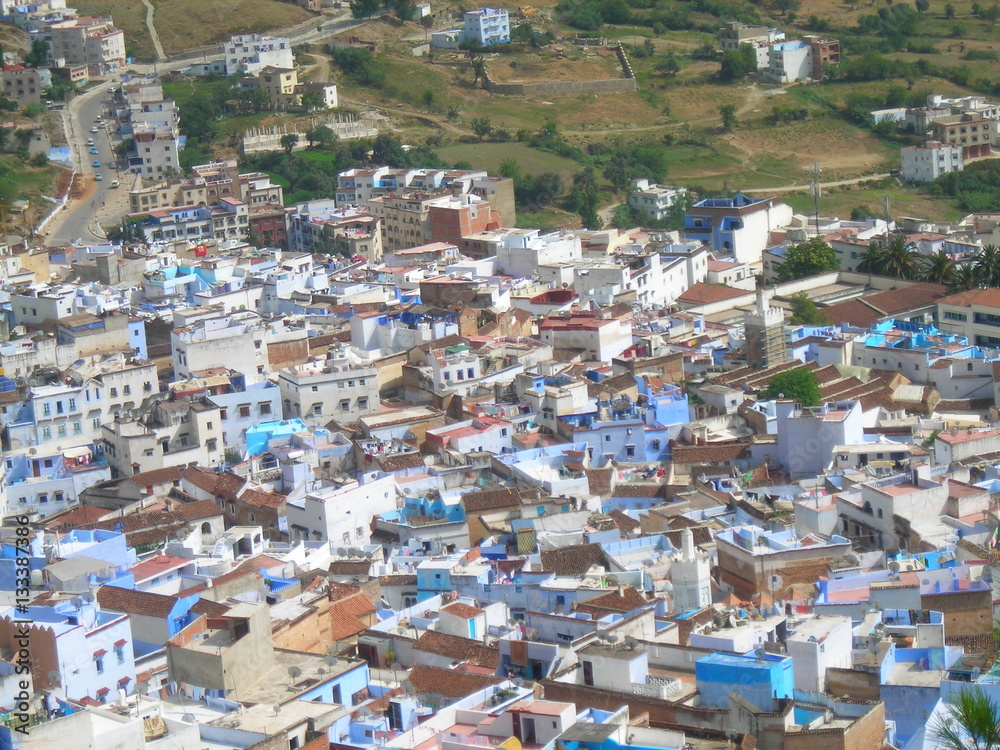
(345, 404)
(72, 404)
(350, 383)
(46, 410)
(99, 663)
(208, 425)
(629, 451)
(212, 444)
(43, 497)
(46, 433)
(120, 653)
(315, 388)
(363, 403)
(607, 438)
(265, 408)
(114, 393)
(245, 411)
(77, 428)
(252, 518)
(96, 423)
(127, 389)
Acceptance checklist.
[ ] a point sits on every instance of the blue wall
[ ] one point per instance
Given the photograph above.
(759, 682)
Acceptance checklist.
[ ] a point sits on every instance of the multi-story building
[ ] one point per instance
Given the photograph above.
(735, 34)
(600, 339)
(974, 314)
(973, 133)
(235, 341)
(766, 338)
(739, 226)
(285, 92)
(321, 226)
(173, 433)
(242, 405)
(454, 219)
(653, 200)
(486, 26)
(341, 515)
(229, 219)
(928, 162)
(90, 41)
(24, 85)
(75, 647)
(334, 389)
(248, 54)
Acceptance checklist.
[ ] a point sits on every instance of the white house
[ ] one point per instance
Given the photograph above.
(928, 162)
(487, 26)
(342, 514)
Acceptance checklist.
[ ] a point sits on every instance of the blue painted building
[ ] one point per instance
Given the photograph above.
(762, 682)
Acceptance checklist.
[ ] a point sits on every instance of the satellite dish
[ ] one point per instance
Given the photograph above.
(395, 666)
(364, 712)
(354, 552)
(189, 719)
(276, 708)
(894, 566)
(760, 652)
(408, 687)
(341, 552)
(852, 559)
(321, 671)
(294, 672)
(612, 638)
(602, 635)
(142, 687)
(89, 598)
(401, 630)
(54, 676)
(631, 642)
(612, 580)
(331, 660)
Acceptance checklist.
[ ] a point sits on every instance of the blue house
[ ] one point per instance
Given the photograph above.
(762, 681)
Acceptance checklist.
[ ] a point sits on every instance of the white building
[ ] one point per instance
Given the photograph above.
(341, 515)
(928, 162)
(487, 26)
(333, 389)
(816, 644)
(691, 576)
(789, 61)
(653, 200)
(601, 339)
(247, 54)
(473, 436)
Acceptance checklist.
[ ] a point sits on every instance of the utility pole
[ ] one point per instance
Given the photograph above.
(815, 190)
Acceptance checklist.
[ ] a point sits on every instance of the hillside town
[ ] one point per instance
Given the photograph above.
(379, 463)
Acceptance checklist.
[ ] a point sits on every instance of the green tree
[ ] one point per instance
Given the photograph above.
(949, 11)
(972, 722)
(669, 66)
(872, 259)
(322, 136)
(922, 6)
(482, 127)
(312, 100)
(738, 63)
(289, 141)
(622, 218)
(937, 268)
(728, 112)
(900, 260)
(389, 150)
(428, 99)
(364, 8)
(799, 385)
(808, 258)
(987, 265)
(964, 278)
(784, 6)
(38, 56)
(478, 68)
(805, 312)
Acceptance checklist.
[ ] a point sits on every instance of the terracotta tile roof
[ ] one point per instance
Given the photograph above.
(448, 683)
(702, 293)
(210, 608)
(400, 461)
(155, 477)
(344, 625)
(350, 567)
(572, 561)
(855, 312)
(985, 297)
(356, 605)
(258, 499)
(452, 339)
(225, 484)
(398, 580)
(76, 517)
(720, 453)
(599, 481)
(258, 562)
(615, 384)
(135, 602)
(476, 502)
(462, 610)
(981, 643)
(338, 591)
(458, 649)
(613, 601)
(623, 522)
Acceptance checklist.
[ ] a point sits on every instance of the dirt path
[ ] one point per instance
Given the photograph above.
(835, 183)
(160, 54)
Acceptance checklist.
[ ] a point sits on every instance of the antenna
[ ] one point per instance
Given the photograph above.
(815, 190)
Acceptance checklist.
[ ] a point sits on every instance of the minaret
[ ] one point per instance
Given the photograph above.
(764, 330)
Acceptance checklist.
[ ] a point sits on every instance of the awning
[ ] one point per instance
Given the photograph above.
(98, 654)
(119, 644)
(77, 452)
(103, 691)
(124, 680)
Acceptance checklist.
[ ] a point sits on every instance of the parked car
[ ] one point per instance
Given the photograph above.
(97, 164)
(98, 177)
(94, 150)
(94, 129)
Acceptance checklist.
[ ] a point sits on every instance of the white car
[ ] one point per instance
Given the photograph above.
(98, 177)
(94, 129)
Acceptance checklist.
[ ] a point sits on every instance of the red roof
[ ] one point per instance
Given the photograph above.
(702, 293)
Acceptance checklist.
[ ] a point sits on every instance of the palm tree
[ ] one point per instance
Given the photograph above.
(987, 265)
(937, 268)
(872, 259)
(964, 278)
(971, 722)
(900, 261)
